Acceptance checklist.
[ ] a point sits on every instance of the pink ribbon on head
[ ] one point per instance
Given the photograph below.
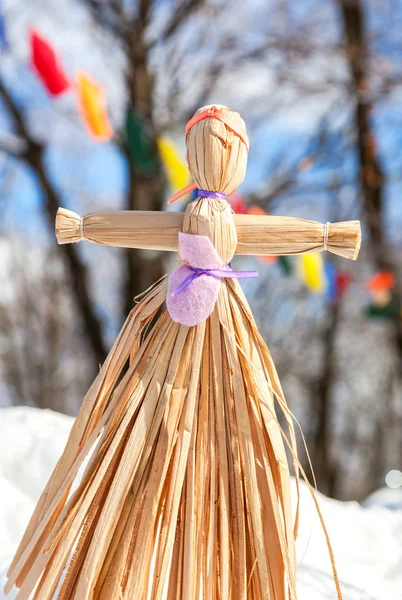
(193, 288)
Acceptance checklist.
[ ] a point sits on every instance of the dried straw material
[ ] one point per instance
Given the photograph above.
(186, 494)
(256, 234)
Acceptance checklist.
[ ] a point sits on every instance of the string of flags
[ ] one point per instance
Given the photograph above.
(48, 66)
(92, 107)
(90, 96)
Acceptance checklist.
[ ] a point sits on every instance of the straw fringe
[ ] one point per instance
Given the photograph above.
(185, 479)
(188, 491)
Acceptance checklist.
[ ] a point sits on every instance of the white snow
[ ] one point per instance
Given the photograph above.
(367, 541)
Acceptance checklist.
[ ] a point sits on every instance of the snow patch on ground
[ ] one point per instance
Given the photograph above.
(367, 541)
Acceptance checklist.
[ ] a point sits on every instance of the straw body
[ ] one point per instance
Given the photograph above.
(185, 489)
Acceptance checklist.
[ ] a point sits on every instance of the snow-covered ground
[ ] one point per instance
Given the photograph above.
(367, 541)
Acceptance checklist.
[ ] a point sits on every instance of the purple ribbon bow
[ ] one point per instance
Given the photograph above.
(223, 273)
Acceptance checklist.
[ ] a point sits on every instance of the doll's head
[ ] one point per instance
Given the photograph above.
(217, 148)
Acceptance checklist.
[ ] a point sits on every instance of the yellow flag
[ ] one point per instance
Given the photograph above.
(176, 170)
(93, 107)
(311, 272)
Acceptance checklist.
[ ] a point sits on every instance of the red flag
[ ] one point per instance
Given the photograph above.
(238, 204)
(342, 281)
(48, 65)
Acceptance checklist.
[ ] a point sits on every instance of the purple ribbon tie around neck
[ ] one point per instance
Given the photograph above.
(223, 273)
(211, 195)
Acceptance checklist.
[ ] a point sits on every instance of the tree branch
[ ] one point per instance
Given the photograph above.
(14, 111)
(110, 17)
(182, 13)
(33, 155)
(13, 145)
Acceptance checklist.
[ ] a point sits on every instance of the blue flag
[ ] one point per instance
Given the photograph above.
(3, 35)
(330, 276)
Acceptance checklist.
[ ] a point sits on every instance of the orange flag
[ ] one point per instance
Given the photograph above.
(93, 107)
(380, 282)
(256, 210)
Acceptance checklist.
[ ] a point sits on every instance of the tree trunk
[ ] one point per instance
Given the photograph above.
(371, 173)
(372, 187)
(324, 467)
(143, 268)
(77, 271)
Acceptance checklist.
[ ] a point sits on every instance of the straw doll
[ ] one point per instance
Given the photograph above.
(184, 491)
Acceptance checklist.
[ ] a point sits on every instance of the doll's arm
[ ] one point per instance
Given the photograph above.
(152, 230)
(256, 234)
(271, 235)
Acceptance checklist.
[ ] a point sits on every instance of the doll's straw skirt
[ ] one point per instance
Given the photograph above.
(185, 491)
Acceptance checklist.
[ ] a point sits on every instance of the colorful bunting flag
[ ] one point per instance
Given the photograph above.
(48, 65)
(3, 33)
(331, 292)
(285, 262)
(142, 151)
(93, 107)
(256, 210)
(176, 170)
(381, 281)
(193, 195)
(342, 283)
(238, 204)
(311, 272)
